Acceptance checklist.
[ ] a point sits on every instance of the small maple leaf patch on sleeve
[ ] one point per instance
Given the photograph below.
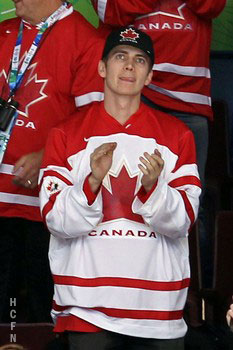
(52, 187)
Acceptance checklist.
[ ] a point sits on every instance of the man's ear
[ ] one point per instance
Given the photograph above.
(149, 78)
(102, 69)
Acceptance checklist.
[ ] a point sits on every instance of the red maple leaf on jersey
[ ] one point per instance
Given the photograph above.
(170, 9)
(119, 204)
(129, 34)
(30, 93)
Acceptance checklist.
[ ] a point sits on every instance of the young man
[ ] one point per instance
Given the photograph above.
(181, 85)
(119, 192)
(46, 45)
(181, 32)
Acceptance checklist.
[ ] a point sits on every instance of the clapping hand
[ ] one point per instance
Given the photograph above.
(100, 162)
(151, 167)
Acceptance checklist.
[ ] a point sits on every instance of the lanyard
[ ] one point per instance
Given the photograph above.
(16, 74)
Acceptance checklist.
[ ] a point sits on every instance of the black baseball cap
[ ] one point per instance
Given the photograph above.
(132, 37)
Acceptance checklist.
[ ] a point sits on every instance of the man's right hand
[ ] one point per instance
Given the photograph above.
(26, 169)
(100, 162)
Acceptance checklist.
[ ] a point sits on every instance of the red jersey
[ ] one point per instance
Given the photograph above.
(58, 79)
(181, 32)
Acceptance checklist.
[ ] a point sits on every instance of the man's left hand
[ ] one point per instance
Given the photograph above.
(152, 166)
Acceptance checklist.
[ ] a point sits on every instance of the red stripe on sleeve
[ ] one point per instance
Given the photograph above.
(185, 180)
(48, 206)
(188, 207)
(57, 175)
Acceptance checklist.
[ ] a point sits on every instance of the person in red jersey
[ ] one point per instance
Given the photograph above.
(48, 64)
(119, 193)
(181, 31)
(181, 34)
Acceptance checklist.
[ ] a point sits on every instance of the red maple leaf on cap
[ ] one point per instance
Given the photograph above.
(130, 34)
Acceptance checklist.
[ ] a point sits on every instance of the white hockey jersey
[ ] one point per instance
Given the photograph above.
(120, 260)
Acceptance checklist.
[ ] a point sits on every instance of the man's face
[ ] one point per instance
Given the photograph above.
(126, 71)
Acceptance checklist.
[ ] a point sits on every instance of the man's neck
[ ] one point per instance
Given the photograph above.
(44, 11)
(121, 107)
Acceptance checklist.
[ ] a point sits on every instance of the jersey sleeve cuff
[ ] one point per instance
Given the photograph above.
(143, 195)
(91, 196)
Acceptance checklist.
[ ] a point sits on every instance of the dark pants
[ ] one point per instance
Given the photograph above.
(25, 280)
(112, 341)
